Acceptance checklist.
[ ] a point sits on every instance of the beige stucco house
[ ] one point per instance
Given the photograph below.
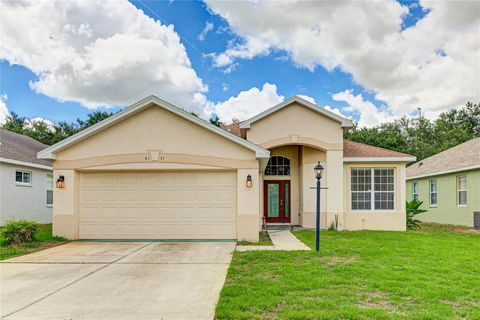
(154, 171)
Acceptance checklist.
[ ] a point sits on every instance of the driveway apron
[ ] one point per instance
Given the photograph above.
(116, 280)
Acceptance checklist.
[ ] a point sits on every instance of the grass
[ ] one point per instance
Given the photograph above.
(44, 240)
(264, 241)
(358, 275)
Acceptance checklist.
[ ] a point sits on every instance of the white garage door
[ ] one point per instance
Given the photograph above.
(157, 205)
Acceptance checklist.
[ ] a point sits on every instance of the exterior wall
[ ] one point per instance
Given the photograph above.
(447, 210)
(316, 138)
(376, 220)
(155, 139)
(310, 157)
(23, 202)
(296, 124)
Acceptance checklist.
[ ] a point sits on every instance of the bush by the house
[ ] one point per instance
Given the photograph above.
(413, 209)
(17, 232)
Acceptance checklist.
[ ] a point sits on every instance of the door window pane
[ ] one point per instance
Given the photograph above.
(273, 201)
(287, 196)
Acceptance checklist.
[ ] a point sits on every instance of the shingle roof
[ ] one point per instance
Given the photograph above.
(233, 128)
(18, 147)
(462, 157)
(351, 149)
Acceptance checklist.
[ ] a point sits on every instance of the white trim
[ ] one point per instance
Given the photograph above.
(379, 159)
(372, 190)
(475, 166)
(462, 190)
(343, 121)
(21, 183)
(432, 205)
(49, 153)
(26, 164)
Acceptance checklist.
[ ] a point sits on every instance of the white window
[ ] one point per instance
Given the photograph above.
(415, 190)
(462, 190)
(433, 193)
(373, 189)
(49, 189)
(23, 178)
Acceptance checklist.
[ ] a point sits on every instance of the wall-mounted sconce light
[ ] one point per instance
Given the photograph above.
(60, 182)
(249, 181)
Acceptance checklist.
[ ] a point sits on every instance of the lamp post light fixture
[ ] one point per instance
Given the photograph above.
(318, 169)
(249, 181)
(60, 184)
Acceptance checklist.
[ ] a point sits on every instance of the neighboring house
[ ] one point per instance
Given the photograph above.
(154, 171)
(26, 187)
(448, 183)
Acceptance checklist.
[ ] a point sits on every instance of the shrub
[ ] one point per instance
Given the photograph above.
(17, 232)
(413, 209)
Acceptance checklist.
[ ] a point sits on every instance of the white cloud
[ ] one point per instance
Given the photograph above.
(225, 86)
(29, 123)
(336, 111)
(370, 115)
(98, 52)
(365, 38)
(208, 27)
(3, 108)
(308, 98)
(247, 103)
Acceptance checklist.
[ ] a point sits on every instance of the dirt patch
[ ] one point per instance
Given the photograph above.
(272, 314)
(436, 227)
(460, 305)
(267, 276)
(376, 300)
(333, 261)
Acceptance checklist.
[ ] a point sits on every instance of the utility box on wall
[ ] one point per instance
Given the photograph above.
(476, 220)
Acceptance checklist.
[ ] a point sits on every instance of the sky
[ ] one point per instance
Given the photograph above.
(371, 61)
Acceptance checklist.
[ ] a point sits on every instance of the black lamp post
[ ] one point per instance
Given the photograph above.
(318, 175)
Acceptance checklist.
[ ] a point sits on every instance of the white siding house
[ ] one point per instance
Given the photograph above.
(26, 182)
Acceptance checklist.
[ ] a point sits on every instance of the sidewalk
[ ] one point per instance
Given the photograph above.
(283, 240)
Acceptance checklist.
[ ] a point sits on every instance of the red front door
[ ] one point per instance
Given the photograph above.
(277, 201)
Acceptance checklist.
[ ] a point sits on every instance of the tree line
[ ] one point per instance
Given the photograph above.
(418, 136)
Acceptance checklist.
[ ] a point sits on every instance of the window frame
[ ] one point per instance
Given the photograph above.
(23, 172)
(430, 192)
(372, 190)
(288, 166)
(49, 188)
(415, 190)
(462, 190)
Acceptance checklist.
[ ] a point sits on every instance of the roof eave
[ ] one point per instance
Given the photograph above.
(379, 159)
(438, 173)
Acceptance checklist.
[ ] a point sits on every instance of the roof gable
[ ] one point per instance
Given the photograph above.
(49, 153)
(344, 122)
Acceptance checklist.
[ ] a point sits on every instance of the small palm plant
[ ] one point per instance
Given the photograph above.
(413, 209)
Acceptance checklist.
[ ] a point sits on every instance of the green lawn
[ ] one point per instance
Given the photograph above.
(264, 241)
(359, 275)
(44, 240)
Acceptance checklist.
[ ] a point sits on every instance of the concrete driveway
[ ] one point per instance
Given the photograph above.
(116, 280)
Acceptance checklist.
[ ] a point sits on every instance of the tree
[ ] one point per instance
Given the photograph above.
(48, 133)
(422, 137)
(215, 120)
(14, 123)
